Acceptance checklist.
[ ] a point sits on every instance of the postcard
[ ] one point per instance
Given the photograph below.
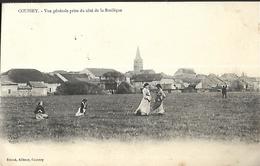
(130, 83)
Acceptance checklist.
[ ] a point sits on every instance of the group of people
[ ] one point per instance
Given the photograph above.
(143, 108)
(41, 114)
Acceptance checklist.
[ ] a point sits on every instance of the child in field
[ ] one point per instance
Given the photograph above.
(82, 109)
(40, 112)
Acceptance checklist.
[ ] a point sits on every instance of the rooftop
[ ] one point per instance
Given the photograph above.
(37, 84)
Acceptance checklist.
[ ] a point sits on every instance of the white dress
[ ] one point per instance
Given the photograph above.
(144, 107)
(84, 107)
(80, 113)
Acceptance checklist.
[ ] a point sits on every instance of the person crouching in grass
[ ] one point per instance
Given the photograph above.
(82, 109)
(40, 112)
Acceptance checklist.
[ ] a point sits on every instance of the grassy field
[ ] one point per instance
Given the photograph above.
(188, 115)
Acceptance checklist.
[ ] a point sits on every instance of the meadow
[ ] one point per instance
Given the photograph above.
(110, 117)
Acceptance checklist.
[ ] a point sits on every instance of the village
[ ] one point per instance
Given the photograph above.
(31, 82)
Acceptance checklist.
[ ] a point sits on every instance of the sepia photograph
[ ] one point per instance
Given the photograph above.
(130, 83)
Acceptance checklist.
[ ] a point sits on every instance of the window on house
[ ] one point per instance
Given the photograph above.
(50, 89)
(9, 91)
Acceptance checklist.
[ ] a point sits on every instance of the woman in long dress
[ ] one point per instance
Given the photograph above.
(144, 107)
(158, 105)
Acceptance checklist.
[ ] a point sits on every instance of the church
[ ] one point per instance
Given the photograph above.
(139, 75)
(138, 66)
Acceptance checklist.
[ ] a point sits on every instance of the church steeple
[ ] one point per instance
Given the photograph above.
(138, 62)
(138, 54)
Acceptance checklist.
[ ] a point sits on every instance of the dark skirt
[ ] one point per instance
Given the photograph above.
(157, 104)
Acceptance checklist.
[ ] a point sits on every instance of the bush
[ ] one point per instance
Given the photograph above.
(78, 88)
(124, 88)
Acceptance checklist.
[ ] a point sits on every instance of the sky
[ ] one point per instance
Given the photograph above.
(210, 37)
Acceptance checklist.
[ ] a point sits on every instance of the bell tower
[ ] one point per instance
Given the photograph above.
(138, 62)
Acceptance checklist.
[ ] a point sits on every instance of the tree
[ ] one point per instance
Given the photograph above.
(113, 75)
(78, 88)
(112, 79)
(125, 88)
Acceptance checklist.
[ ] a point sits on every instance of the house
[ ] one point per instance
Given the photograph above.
(210, 83)
(52, 87)
(9, 89)
(228, 78)
(138, 80)
(38, 88)
(52, 82)
(107, 79)
(170, 83)
(24, 90)
(250, 83)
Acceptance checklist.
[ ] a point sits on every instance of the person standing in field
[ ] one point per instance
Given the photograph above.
(144, 107)
(40, 112)
(158, 105)
(224, 91)
(82, 109)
